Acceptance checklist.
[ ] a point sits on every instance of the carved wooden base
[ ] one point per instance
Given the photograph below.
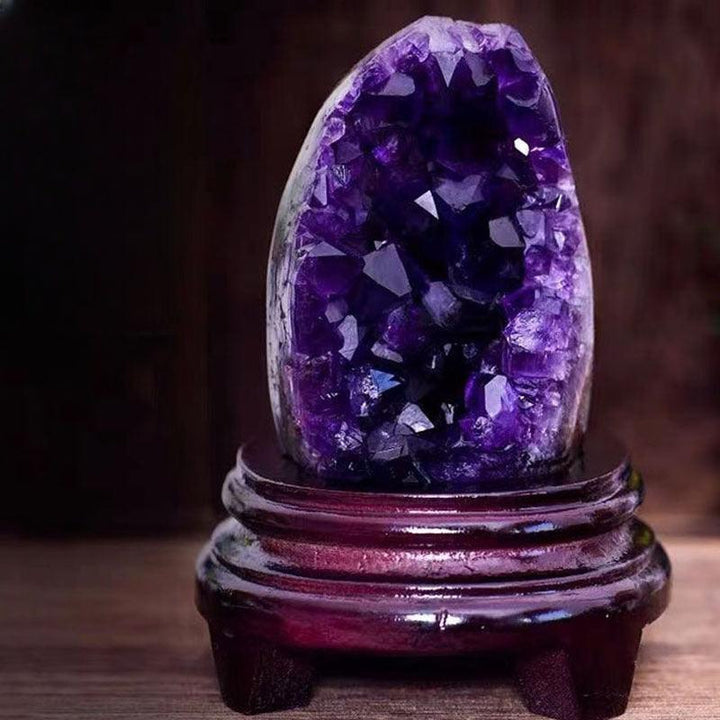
(561, 577)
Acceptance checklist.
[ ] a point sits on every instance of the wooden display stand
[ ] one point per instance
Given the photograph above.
(561, 576)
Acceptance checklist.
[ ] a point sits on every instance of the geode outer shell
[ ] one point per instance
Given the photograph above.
(429, 287)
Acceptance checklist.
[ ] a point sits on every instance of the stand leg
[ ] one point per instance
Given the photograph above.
(546, 684)
(588, 678)
(256, 676)
(604, 667)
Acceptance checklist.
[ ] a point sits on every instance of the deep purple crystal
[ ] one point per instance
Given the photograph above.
(429, 291)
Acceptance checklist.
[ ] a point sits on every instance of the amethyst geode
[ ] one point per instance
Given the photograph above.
(429, 290)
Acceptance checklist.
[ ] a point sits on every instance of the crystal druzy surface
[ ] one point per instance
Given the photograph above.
(429, 290)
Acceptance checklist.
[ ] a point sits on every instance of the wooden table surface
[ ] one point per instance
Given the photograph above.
(107, 629)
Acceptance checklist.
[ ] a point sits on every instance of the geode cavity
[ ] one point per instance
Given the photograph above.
(429, 290)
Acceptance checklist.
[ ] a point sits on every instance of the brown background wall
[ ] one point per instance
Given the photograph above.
(146, 149)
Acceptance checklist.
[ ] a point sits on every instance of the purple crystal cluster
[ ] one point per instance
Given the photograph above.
(429, 290)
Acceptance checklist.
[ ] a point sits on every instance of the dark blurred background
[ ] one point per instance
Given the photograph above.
(144, 149)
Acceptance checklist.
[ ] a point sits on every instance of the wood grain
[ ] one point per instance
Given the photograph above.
(108, 629)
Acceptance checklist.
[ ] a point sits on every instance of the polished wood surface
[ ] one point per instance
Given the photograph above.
(557, 575)
(94, 629)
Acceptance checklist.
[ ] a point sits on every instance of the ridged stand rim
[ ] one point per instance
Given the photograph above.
(503, 560)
